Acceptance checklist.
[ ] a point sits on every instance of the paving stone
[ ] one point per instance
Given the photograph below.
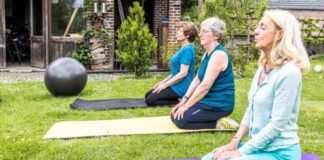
(12, 77)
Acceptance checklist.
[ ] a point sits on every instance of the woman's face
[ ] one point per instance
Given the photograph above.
(206, 36)
(180, 36)
(265, 34)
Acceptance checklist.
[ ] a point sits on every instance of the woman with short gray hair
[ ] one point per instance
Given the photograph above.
(211, 94)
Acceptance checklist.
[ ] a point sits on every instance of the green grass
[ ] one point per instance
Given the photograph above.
(28, 110)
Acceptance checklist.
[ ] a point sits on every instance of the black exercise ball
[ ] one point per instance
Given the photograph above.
(65, 77)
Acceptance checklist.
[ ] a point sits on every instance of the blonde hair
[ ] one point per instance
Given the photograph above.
(290, 48)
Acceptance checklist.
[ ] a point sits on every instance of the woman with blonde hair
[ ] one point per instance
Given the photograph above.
(274, 97)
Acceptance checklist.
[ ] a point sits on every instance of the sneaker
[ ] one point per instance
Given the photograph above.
(227, 124)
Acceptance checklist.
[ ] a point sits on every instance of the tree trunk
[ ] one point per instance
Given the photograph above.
(200, 6)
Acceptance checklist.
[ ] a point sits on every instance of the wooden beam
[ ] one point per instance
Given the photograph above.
(70, 22)
(2, 34)
(46, 25)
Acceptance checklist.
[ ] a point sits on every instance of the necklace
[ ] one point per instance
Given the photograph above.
(267, 70)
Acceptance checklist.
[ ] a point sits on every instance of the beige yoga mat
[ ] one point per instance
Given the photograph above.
(147, 125)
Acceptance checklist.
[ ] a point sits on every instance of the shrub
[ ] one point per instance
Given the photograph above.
(135, 43)
(83, 54)
(172, 49)
(245, 55)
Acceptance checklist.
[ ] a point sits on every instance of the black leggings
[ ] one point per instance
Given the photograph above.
(197, 117)
(166, 97)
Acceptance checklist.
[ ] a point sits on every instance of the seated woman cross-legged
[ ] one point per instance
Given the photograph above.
(210, 96)
(270, 119)
(168, 91)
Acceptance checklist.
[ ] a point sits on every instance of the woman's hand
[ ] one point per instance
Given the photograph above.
(155, 86)
(227, 155)
(229, 147)
(179, 113)
(159, 88)
(181, 103)
(174, 109)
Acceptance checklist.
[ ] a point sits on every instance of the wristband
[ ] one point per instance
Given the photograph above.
(185, 97)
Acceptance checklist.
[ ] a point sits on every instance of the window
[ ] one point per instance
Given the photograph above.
(66, 17)
(37, 19)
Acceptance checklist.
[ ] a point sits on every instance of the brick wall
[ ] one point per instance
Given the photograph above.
(108, 22)
(174, 19)
(161, 11)
(109, 26)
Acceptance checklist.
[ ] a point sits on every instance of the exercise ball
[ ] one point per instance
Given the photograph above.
(65, 77)
(318, 68)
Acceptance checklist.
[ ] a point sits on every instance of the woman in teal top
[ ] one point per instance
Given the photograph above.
(274, 96)
(211, 94)
(168, 91)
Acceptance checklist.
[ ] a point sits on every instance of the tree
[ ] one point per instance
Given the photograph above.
(135, 43)
(312, 33)
(241, 18)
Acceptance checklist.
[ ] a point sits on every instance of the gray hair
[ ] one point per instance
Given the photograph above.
(216, 25)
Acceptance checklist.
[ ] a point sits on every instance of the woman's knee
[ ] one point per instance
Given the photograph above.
(182, 124)
(149, 101)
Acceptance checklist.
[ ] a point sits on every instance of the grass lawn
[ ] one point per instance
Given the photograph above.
(28, 110)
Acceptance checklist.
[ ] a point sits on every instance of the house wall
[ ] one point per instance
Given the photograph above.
(316, 14)
(161, 11)
(174, 19)
(109, 25)
(300, 14)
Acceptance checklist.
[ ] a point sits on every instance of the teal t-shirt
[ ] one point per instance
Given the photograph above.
(187, 56)
(222, 94)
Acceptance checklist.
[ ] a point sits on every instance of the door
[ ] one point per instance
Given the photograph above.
(2, 35)
(38, 51)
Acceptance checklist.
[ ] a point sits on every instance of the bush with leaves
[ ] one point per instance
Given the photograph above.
(245, 56)
(172, 49)
(135, 43)
(312, 33)
(83, 54)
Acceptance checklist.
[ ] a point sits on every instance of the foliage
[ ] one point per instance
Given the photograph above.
(26, 118)
(135, 43)
(189, 10)
(83, 52)
(240, 17)
(172, 49)
(199, 53)
(246, 56)
(312, 32)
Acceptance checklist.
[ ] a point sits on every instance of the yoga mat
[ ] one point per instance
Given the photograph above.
(310, 157)
(304, 157)
(108, 104)
(146, 125)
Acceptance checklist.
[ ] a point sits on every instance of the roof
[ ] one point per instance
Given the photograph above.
(297, 4)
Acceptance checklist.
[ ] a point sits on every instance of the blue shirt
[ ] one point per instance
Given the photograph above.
(273, 110)
(222, 94)
(187, 56)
